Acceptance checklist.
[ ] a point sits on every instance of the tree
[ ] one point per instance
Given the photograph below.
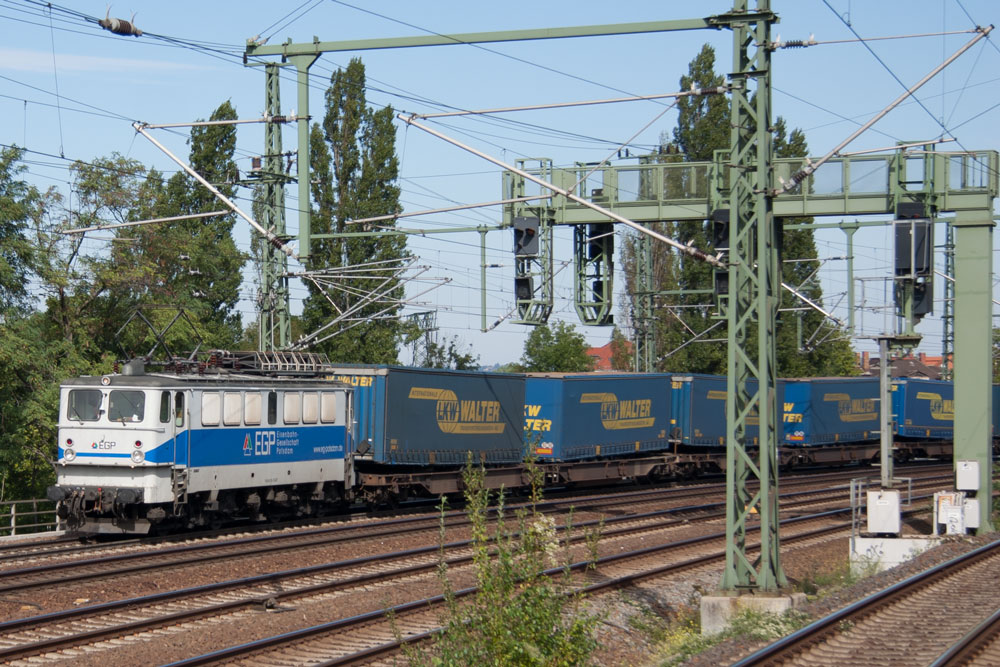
(807, 344)
(17, 200)
(355, 168)
(702, 128)
(621, 351)
(447, 355)
(201, 257)
(559, 349)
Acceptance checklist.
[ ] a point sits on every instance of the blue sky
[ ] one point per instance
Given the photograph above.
(105, 81)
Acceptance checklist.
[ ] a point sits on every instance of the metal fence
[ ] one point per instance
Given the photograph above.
(25, 517)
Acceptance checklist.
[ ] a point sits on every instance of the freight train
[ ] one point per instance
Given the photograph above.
(265, 437)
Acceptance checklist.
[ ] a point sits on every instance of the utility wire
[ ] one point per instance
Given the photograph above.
(55, 75)
(892, 73)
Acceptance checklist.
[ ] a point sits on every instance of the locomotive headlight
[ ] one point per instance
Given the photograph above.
(69, 454)
(138, 456)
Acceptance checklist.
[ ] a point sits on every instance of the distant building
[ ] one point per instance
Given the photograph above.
(602, 355)
(923, 365)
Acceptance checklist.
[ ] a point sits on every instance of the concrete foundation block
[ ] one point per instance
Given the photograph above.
(870, 555)
(717, 610)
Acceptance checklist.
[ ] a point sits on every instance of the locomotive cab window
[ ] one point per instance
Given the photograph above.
(272, 407)
(251, 409)
(328, 407)
(164, 407)
(84, 405)
(310, 407)
(290, 414)
(232, 408)
(179, 409)
(211, 408)
(126, 406)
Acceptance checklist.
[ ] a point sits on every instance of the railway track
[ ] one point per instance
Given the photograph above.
(87, 626)
(367, 637)
(935, 617)
(68, 547)
(143, 562)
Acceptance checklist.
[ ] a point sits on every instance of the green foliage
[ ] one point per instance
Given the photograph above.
(519, 615)
(683, 639)
(448, 355)
(996, 354)
(806, 344)
(17, 201)
(621, 352)
(30, 371)
(198, 263)
(355, 170)
(557, 349)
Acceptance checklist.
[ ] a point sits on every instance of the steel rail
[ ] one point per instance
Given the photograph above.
(140, 561)
(966, 648)
(398, 610)
(37, 621)
(817, 631)
(64, 641)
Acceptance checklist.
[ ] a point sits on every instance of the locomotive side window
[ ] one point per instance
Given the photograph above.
(290, 414)
(232, 403)
(272, 407)
(84, 405)
(328, 407)
(126, 406)
(164, 407)
(179, 408)
(310, 407)
(251, 411)
(211, 407)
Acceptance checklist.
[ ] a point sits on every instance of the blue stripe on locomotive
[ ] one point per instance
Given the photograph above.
(826, 411)
(275, 444)
(240, 446)
(574, 417)
(923, 408)
(427, 416)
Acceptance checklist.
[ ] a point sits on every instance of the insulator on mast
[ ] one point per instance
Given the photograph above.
(119, 26)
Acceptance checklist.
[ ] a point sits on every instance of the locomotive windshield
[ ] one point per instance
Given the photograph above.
(84, 405)
(126, 406)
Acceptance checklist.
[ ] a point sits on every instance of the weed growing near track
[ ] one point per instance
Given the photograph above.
(683, 639)
(523, 612)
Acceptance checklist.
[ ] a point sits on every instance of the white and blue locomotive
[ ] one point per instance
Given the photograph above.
(177, 449)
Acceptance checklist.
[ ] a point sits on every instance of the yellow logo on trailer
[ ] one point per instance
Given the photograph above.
(853, 409)
(941, 409)
(753, 417)
(459, 416)
(622, 414)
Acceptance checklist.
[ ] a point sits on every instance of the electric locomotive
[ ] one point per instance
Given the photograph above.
(193, 448)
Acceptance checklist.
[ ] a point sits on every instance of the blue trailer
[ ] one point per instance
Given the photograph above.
(572, 417)
(419, 416)
(699, 410)
(923, 409)
(828, 411)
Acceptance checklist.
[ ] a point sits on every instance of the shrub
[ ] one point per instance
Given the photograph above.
(519, 615)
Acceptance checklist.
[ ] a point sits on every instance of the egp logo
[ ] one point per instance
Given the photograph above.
(454, 415)
(621, 414)
(263, 443)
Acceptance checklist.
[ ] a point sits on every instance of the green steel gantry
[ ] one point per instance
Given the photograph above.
(742, 183)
